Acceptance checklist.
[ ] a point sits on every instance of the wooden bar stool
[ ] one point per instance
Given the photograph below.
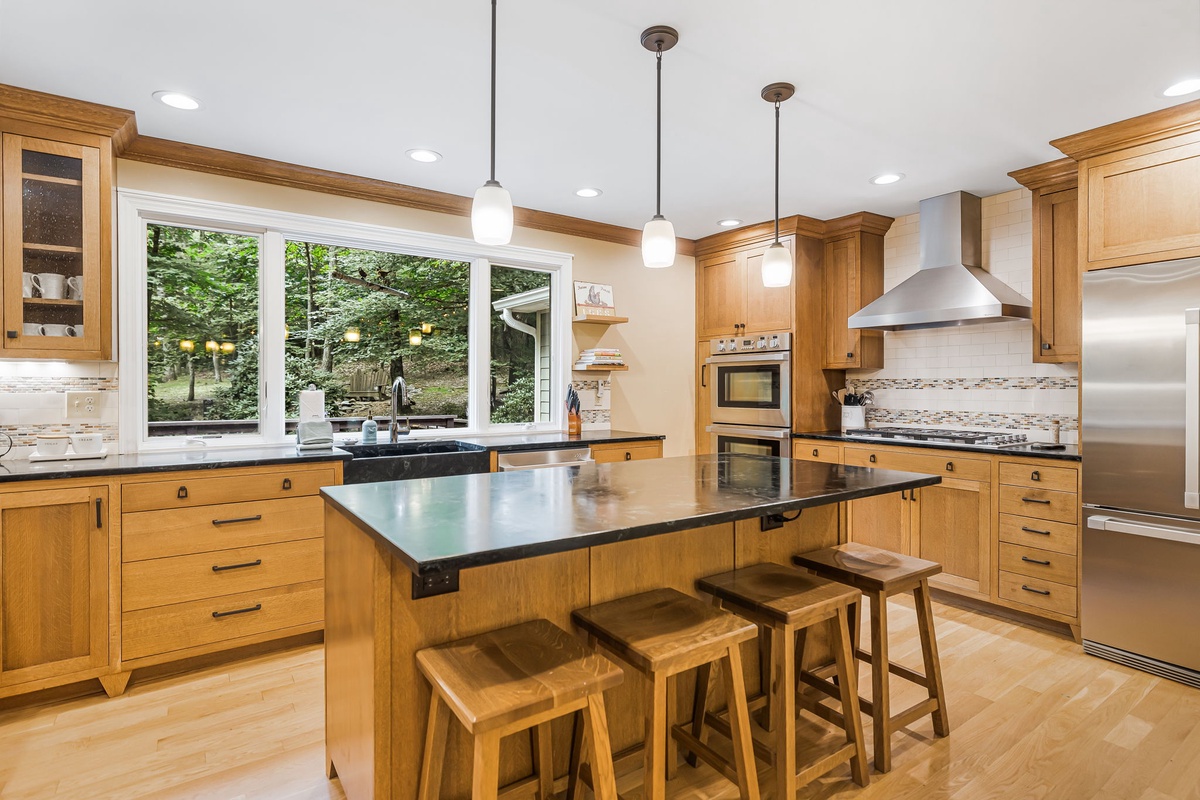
(786, 603)
(879, 574)
(661, 634)
(508, 680)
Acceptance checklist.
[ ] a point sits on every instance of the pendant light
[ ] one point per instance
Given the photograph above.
(492, 209)
(658, 237)
(777, 261)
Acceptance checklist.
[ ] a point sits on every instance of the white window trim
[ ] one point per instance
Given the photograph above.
(136, 208)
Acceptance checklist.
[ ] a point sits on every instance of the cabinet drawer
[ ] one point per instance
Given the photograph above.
(1038, 593)
(947, 465)
(1043, 564)
(607, 454)
(811, 450)
(1043, 534)
(1059, 479)
(190, 489)
(1039, 503)
(152, 631)
(165, 581)
(160, 534)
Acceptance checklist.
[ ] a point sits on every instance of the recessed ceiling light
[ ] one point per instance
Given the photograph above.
(177, 100)
(588, 192)
(1183, 87)
(886, 178)
(729, 223)
(424, 156)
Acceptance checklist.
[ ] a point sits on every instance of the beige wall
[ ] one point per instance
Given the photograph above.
(656, 395)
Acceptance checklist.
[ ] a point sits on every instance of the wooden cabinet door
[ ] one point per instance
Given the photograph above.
(952, 526)
(703, 398)
(841, 276)
(723, 295)
(54, 586)
(1056, 302)
(767, 309)
(880, 521)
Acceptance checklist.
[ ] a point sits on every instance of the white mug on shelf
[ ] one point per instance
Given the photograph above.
(32, 329)
(75, 287)
(58, 330)
(51, 285)
(26, 284)
(77, 330)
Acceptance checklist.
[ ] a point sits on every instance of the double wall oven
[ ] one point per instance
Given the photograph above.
(749, 379)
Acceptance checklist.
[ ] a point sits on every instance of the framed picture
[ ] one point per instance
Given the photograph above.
(595, 299)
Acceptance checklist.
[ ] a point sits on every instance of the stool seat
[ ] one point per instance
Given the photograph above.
(506, 675)
(663, 630)
(867, 568)
(778, 593)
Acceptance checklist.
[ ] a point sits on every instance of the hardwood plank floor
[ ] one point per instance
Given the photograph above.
(1031, 717)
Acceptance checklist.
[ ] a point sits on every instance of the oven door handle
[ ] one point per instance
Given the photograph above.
(747, 358)
(1191, 416)
(761, 433)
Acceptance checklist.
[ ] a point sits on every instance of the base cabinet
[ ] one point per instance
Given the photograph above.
(626, 451)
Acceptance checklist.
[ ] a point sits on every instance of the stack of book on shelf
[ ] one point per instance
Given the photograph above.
(599, 358)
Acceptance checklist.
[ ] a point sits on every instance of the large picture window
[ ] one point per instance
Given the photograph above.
(242, 308)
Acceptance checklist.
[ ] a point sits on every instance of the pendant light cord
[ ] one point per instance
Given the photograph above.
(493, 153)
(658, 139)
(776, 169)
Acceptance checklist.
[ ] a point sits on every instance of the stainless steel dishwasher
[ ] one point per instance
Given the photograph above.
(543, 459)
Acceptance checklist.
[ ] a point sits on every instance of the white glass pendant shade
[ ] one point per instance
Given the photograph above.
(658, 243)
(492, 214)
(777, 266)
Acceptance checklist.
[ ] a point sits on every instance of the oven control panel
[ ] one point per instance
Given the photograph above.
(763, 342)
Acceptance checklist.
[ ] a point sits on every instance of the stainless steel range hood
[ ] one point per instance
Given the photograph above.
(950, 288)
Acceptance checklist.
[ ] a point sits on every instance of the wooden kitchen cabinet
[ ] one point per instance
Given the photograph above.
(626, 451)
(1056, 270)
(55, 568)
(853, 278)
(733, 300)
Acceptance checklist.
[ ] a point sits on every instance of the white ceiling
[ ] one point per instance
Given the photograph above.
(954, 93)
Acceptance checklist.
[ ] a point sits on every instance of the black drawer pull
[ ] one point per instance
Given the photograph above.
(913, 495)
(1035, 500)
(1028, 529)
(1035, 476)
(814, 451)
(949, 466)
(182, 493)
(628, 456)
(872, 459)
(255, 518)
(258, 562)
(1026, 559)
(903, 494)
(287, 484)
(255, 607)
(99, 518)
(849, 355)
(1035, 591)
(12, 334)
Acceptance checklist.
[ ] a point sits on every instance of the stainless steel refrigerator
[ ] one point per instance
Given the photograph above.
(1140, 427)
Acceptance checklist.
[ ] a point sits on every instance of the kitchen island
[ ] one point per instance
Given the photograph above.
(416, 563)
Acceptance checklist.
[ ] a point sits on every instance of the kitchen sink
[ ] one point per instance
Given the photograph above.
(397, 461)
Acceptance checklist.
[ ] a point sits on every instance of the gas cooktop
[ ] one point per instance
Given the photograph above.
(978, 438)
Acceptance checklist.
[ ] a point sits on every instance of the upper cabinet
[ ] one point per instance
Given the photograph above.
(56, 167)
(732, 299)
(853, 273)
(1139, 188)
(1056, 269)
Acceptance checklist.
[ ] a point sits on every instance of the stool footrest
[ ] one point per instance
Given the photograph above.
(910, 715)
(704, 752)
(721, 726)
(899, 670)
(820, 766)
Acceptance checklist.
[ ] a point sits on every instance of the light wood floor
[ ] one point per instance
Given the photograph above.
(1031, 717)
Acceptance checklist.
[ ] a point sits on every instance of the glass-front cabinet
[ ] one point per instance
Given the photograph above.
(55, 233)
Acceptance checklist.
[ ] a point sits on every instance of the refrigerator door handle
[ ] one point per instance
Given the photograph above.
(1191, 421)
(1104, 523)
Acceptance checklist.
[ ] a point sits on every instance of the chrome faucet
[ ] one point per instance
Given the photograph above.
(399, 397)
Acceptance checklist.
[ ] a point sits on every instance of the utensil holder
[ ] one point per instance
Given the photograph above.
(854, 417)
(574, 425)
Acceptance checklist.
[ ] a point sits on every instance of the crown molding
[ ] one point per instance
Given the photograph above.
(27, 105)
(1053, 175)
(1176, 120)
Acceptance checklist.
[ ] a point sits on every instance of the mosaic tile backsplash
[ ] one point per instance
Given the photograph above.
(33, 400)
(977, 376)
(595, 397)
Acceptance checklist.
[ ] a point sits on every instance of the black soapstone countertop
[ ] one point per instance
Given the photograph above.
(447, 524)
(1070, 452)
(553, 440)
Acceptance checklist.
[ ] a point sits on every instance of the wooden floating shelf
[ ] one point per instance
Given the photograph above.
(600, 319)
(45, 301)
(52, 248)
(600, 368)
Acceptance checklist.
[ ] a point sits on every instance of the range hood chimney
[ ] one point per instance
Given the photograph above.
(950, 288)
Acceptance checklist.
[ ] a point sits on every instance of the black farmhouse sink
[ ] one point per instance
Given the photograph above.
(398, 461)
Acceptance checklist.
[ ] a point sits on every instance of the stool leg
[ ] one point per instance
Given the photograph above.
(880, 690)
(739, 725)
(783, 692)
(766, 677)
(485, 773)
(577, 730)
(929, 651)
(435, 749)
(801, 641)
(847, 671)
(595, 730)
(655, 757)
(543, 760)
(700, 708)
(672, 714)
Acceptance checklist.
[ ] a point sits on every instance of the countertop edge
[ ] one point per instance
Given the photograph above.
(55, 471)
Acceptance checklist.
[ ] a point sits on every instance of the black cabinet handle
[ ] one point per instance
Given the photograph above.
(628, 456)
(814, 451)
(1035, 476)
(257, 563)
(1035, 591)
(949, 466)
(11, 334)
(1028, 529)
(913, 495)
(255, 518)
(903, 494)
(287, 484)
(849, 355)
(1029, 560)
(256, 607)
(99, 517)
(872, 458)
(703, 376)
(182, 493)
(1035, 500)
(1045, 345)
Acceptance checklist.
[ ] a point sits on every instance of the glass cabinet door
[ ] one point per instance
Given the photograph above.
(51, 247)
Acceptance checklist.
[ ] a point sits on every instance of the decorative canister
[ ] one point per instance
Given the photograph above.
(854, 417)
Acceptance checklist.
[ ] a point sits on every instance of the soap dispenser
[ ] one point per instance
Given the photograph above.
(370, 430)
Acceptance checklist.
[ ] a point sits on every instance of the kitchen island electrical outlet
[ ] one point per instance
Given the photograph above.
(84, 405)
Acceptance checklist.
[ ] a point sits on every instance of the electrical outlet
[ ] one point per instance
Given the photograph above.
(84, 405)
